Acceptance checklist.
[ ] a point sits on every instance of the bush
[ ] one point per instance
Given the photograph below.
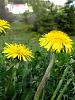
(42, 18)
(46, 17)
(66, 20)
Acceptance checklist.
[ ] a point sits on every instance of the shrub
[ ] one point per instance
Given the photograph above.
(42, 18)
(66, 20)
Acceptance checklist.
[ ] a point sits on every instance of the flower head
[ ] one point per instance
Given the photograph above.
(17, 51)
(56, 41)
(4, 25)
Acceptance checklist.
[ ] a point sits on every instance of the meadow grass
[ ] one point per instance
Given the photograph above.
(18, 35)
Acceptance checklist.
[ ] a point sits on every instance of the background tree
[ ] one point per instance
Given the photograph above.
(70, 1)
(2, 9)
(66, 20)
(43, 12)
(19, 1)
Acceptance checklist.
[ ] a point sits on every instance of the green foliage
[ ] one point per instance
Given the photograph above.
(19, 1)
(66, 20)
(46, 17)
(14, 80)
(19, 80)
(42, 18)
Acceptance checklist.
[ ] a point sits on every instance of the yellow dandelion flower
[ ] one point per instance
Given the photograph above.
(4, 25)
(56, 41)
(17, 51)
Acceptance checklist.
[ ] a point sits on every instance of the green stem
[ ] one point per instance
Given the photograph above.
(14, 72)
(60, 83)
(63, 90)
(44, 79)
(43, 94)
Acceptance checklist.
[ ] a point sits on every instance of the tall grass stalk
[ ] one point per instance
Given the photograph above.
(44, 79)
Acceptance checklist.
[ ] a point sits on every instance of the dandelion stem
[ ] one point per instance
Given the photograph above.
(44, 79)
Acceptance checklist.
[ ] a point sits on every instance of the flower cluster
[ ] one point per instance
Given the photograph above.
(56, 41)
(4, 25)
(19, 51)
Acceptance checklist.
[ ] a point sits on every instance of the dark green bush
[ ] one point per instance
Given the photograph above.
(42, 18)
(46, 17)
(66, 20)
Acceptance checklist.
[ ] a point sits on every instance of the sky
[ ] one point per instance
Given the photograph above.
(58, 2)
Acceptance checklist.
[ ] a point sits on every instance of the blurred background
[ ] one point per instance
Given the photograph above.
(40, 15)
